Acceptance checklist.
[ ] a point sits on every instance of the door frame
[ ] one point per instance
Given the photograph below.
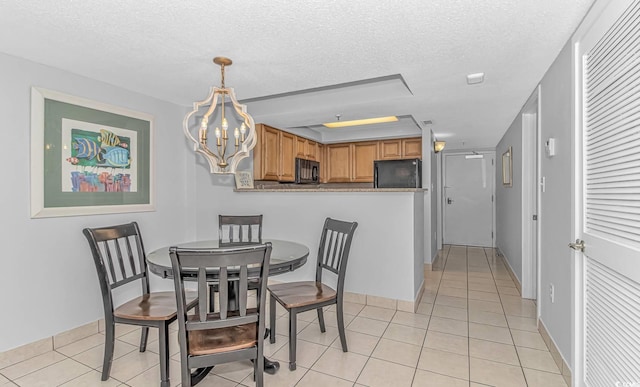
(531, 170)
(443, 179)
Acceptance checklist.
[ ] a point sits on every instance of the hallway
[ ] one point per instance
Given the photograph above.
(472, 329)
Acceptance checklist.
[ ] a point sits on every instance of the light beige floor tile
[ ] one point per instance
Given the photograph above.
(453, 283)
(151, 377)
(508, 291)
(537, 378)
(282, 325)
(537, 360)
(30, 365)
(473, 275)
(91, 379)
(411, 319)
(446, 325)
(485, 306)
(368, 326)
(351, 308)
(449, 312)
(483, 296)
(312, 333)
(174, 344)
(522, 309)
(505, 283)
(282, 378)
(528, 339)
(380, 373)
(82, 345)
(344, 365)
(306, 354)
(496, 374)
(270, 349)
(317, 379)
(489, 350)
(358, 343)
(239, 370)
(331, 319)
(132, 364)
(397, 352)
(428, 297)
(488, 318)
(424, 308)
(445, 363)
(446, 342)
(94, 357)
(54, 374)
(308, 316)
(430, 379)
(522, 323)
(490, 332)
(405, 334)
(377, 313)
(452, 292)
(212, 380)
(456, 302)
(4, 381)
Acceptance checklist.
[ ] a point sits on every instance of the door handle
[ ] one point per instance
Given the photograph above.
(578, 245)
(449, 201)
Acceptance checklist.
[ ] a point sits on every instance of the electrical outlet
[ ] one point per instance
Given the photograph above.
(552, 293)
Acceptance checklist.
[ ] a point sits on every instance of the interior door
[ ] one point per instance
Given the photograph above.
(608, 196)
(468, 199)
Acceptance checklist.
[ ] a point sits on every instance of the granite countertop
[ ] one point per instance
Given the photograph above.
(329, 187)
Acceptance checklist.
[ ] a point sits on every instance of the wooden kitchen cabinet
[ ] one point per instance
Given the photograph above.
(274, 154)
(412, 148)
(338, 163)
(364, 154)
(312, 150)
(390, 149)
(301, 147)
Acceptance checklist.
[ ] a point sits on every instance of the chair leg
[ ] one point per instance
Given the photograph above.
(109, 343)
(163, 343)
(343, 337)
(293, 322)
(321, 319)
(272, 319)
(143, 339)
(258, 370)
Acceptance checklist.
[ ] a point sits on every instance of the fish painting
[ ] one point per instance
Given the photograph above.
(86, 149)
(117, 157)
(108, 138)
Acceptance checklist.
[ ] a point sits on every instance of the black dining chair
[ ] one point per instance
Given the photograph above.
(239, 229)
(298, 297)
(233, 333)
(119, 257)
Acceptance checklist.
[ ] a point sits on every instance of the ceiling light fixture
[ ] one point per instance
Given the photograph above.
(438, 146)
(221, 158)
(366, 121)
(475, 78)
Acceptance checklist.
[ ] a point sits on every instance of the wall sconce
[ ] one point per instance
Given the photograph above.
(438, 146)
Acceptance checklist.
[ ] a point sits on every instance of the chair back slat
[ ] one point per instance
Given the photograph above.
(231, 267)
(109, 262)
(132, 263)
(239, 229)
(123, 271)
(202, 289)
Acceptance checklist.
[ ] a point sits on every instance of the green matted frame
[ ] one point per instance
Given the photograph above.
(50, 110)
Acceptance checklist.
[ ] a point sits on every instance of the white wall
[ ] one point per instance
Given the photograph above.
(382, 260)
(48, 282)
(555, 214)
(555, 203)
(509, 199)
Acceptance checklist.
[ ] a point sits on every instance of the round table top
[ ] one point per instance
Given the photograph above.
(285, 256)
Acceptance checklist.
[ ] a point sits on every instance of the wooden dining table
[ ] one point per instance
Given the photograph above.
(286, 256)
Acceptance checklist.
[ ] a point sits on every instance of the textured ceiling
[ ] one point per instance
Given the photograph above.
(288, 49)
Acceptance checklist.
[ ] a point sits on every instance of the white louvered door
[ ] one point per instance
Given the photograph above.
(608, 190)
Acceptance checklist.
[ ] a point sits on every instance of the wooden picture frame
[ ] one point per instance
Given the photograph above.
(88, 157)
(507, 168)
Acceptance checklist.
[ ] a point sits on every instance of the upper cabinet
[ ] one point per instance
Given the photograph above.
(405, 148)
(276, 150)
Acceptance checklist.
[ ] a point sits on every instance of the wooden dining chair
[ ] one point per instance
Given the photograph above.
(239, 229)
(233, 333)
(298, 297)
(119, 257)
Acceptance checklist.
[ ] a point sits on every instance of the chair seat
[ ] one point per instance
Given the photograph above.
(209, 341)
(156, 306)
(298, 294)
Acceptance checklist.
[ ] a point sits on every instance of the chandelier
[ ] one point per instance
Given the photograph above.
(223, 157)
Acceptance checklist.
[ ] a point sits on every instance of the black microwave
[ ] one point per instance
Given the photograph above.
(307, 171)
(397, 173)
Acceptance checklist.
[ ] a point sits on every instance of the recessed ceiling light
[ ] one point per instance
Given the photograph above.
(475, 78)
(366, 121)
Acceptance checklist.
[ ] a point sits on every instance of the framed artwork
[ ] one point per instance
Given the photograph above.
(244, 179)
(507, 168)
(88, 157)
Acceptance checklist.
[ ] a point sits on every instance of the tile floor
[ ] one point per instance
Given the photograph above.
(472, 329)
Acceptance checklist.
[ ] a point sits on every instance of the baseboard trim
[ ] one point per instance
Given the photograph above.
(564, 368)
(513, 275)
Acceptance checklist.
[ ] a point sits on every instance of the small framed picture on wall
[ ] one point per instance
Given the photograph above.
(507, 168)
(244, 180)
